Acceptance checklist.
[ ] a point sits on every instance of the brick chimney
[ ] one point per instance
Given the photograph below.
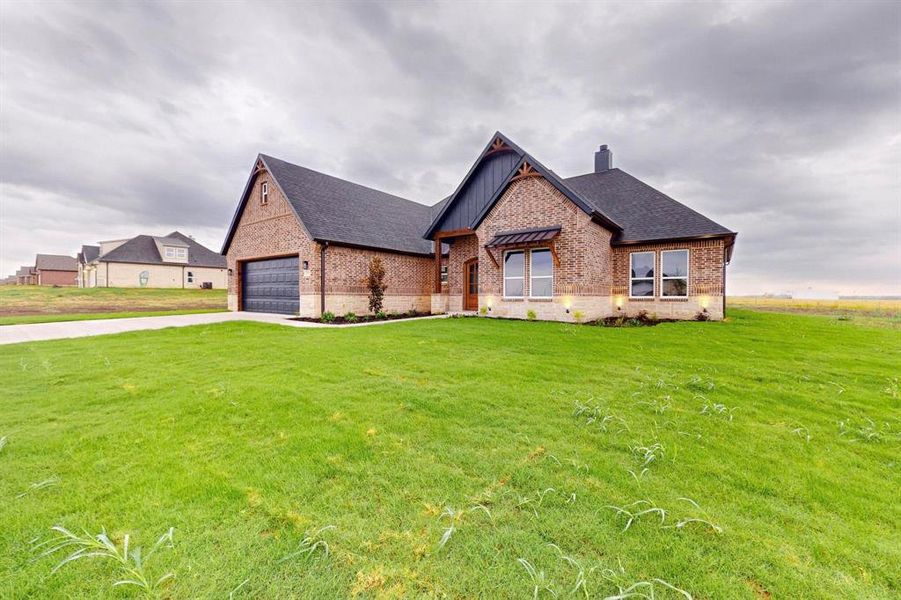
(603, 159)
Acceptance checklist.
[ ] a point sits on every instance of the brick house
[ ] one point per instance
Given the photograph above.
(26, 276)
(55, 269)
(512, 239)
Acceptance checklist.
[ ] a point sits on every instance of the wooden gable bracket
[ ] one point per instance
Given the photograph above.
(259, 168)
(525, 171)
(498, 145)
(491, 256)
(553, 247)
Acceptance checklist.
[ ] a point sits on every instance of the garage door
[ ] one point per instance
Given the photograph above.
(272, 286)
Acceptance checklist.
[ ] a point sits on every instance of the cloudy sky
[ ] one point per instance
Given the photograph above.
(781, 121)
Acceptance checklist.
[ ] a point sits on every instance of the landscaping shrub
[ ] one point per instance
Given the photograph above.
(376, 284)
(483, 310)
(381, 315)
(350, 317)
(530, 315)
(578, 316)
(327, 317)
(702, 316)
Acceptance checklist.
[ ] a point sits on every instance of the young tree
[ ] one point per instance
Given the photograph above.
(376, 284)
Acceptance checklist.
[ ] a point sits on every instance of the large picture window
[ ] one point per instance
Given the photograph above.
(541, 274)
(641, 283)
(674, 273)
(514, 274)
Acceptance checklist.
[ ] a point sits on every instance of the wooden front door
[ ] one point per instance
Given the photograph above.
(471, 285)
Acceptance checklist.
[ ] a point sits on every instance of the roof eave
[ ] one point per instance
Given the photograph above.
(330, 242)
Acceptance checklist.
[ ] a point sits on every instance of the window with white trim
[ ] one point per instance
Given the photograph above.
(541, 273)
(443, 273)
(674, 273)
(641, 277)
(514, 274)
(264, 192)
(172, 252)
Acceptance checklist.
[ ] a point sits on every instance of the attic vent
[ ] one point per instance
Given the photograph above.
(603, 159)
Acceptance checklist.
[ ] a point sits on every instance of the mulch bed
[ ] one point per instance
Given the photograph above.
(340, 320)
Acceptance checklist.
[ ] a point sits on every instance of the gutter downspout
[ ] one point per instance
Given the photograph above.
(322, 278)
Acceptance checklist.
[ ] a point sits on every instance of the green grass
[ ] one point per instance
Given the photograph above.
(249, 439)
(16, 301)
(28, 319)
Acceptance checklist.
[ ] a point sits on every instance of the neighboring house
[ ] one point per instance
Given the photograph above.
(171, 261)
(87, 270)
(512, 239)
(55, 269)
(26, 276)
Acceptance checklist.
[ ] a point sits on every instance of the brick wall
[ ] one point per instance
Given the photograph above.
(269, 230)
(272, 229)
(583, 247)
(48, 277)
(409, 280)
(705, 280)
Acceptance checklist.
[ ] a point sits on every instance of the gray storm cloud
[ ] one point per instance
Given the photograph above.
(779, 120)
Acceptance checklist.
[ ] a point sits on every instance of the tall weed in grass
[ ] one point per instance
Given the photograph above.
(128, 560)
(311, 542)
(455, 517)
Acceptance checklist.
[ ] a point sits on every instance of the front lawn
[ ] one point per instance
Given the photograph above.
(770, 442)
(43, 304)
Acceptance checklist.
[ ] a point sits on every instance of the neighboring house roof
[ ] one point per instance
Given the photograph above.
(335, 210)
(55, 262)
(88, 254)
(25, 271)
(143, 249)
(645, 213)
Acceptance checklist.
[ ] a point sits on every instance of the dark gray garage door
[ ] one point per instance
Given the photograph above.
(272, 286)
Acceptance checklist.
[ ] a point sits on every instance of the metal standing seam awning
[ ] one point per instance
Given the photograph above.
(519, 237)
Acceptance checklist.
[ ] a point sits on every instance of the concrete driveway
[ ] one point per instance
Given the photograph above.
(14, 334)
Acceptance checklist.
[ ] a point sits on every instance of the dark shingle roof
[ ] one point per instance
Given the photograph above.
(55, 262)
(142, 249)
(644, 213)
(25, 271)
(88, 253)
(339, 211)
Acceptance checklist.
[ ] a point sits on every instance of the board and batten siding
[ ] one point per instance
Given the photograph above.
(478, 191)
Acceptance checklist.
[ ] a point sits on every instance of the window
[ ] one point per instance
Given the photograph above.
(264, 192)
(443, 273)
(190, 277)
(674, 273)
(172, 252)
(541, 274)
(514, 274)
(641, 282)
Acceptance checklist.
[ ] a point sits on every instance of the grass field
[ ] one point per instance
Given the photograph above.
(34, 304)
(453, 457)
(889, 311)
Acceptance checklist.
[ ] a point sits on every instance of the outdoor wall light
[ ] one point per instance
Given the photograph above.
(619, 302)
(230, 273)
(705, 302)
(567, 303)
(489, 302)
